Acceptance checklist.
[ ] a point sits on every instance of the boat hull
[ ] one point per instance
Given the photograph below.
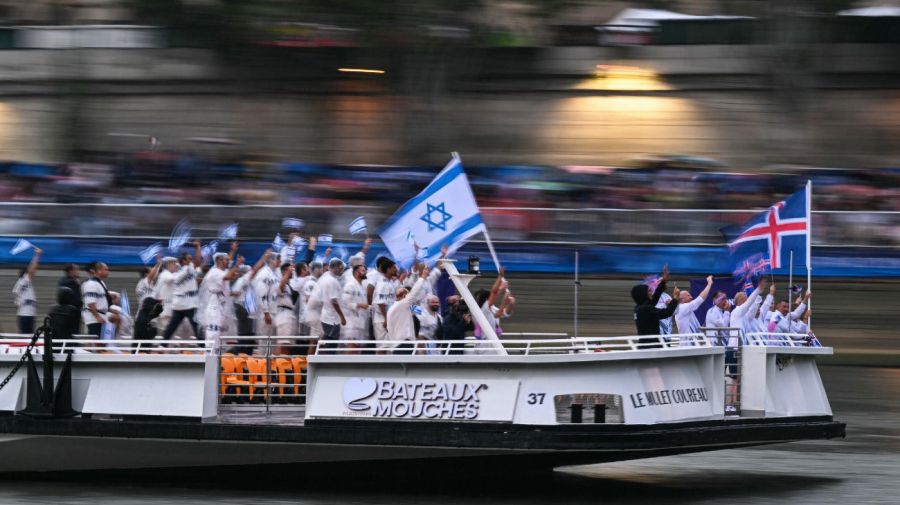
(88, 445)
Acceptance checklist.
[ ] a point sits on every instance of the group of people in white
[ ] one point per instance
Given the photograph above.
(346, 306)
(753, 313)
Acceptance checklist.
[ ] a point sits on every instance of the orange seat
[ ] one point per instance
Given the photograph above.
(258, 375)
(280, 367)
(299, 364)
(230, 376)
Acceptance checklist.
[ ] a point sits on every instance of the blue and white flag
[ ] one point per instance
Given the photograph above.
(299, 244)
(358, 225)
(180, 235)
(775, 232)
(250, 300)
(325, 239)
(292, 223)
(228, 231)
(124, 303)
(21, 245)
(209, 249)
(277, 243)
(445, 212)
(150, 252)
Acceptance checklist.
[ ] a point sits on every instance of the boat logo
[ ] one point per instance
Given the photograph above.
(356, 389)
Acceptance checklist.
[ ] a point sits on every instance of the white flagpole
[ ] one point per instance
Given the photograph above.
(487, 238)
(790, 295)
(576, 293)
(809, 246)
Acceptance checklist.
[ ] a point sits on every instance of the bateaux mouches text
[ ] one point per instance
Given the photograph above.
(414, 399)
(668, 397)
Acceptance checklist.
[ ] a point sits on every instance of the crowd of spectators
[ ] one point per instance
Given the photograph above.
(659, 182)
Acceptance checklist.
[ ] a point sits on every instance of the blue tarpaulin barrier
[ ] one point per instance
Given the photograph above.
(549, 259)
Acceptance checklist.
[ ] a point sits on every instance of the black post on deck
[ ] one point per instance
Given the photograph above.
(599, 413)
(577, 410)
(43, 400)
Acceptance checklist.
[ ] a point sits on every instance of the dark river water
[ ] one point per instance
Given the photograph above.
(864, 468)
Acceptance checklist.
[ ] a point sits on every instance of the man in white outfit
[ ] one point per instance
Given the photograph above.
(718, 316)
(332, 316)
(356, 309)
(400, 325)
(780, 320)
(685, 319)
(217, 284)
(23, 292)
(265, 284)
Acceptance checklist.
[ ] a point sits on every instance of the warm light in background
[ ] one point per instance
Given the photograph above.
(361, 70)
(623, 78)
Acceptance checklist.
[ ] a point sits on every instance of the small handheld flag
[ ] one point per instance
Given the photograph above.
(124, 303)
(209, 249)
(228, 231)
(250, 300)
(277, 243)
(149, 253)
(292, 223)
(21, 245)
(325, 239)
(180, 235)
(299, 244)
(358, 225)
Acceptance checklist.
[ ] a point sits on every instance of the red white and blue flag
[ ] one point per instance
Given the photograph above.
(774, 233)
(749, 270)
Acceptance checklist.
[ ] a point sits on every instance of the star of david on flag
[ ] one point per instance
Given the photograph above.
(775, 233)
(445, 212)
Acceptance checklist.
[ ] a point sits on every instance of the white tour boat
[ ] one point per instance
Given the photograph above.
(532, 402)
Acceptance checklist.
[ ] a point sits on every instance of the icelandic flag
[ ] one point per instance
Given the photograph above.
(21, 245)
(358, 225)
(149, 253)
(775, 232)
(124, 303)
(228, 232)
(445, 212)
(749, 270)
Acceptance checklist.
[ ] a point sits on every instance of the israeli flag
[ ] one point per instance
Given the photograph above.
(278, 243)
(124, 303)
(299, 244)
(21, 245)
(292, 223)
(149, 253)
(228, 232)
(358, 225)
(180, 235)
(250, 300)
(325, 239)
(209, 249)
(445, 212)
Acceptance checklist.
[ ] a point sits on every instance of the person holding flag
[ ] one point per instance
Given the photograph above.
(23, 293)
(445, 212)
(781, 234)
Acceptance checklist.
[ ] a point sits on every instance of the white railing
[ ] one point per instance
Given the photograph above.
(781, 339)
(13, 343)
(519, 347)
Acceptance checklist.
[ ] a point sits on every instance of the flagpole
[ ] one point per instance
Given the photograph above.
(809, 247)
(791, 281)
(487, 238)
(576, 294)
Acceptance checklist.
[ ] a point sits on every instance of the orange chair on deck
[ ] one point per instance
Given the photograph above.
(258, 375)
(231, 376)
(299, 364)
(280, 369)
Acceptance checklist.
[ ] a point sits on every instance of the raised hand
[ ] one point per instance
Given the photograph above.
(709, 280)
(665, 273)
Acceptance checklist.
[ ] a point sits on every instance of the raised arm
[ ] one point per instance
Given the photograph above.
(233, 271)
(661, 287)
(198, 254)
(798, 312)
(259, 264)
(365, 248)
(151, 279)
(495, 289)
(35, 260)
